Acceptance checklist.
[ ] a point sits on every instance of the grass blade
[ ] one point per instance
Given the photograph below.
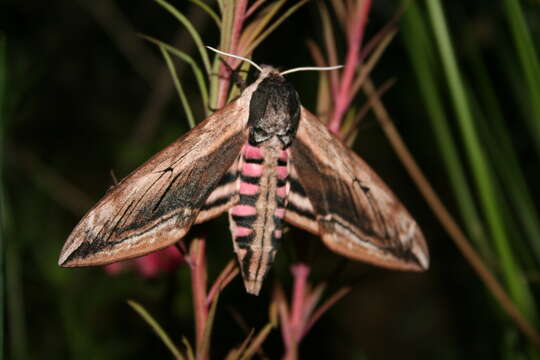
(482, 174)
(529, 61)
(252, 31)
(189, 348)
(178, 86)
(189, 26)
(207, 9)
(274, 25)
(155, 326)
(504, 156)
(3, 232)
(11, 279)
(419, 48)
(201, 82)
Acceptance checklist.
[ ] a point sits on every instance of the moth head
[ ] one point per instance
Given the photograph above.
(274, 109)
(274, 106)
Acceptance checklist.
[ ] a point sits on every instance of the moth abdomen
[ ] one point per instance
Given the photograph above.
(257, 219)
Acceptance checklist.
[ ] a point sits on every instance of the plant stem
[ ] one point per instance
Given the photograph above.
(198, 284)
(355, 32)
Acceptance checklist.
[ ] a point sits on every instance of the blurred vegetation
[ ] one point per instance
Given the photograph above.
(82, 93)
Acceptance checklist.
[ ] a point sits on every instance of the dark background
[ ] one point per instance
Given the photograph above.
(86, 95)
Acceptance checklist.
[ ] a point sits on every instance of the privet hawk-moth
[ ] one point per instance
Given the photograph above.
(265, 160)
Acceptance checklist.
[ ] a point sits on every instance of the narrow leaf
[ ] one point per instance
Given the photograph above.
(189, 26)
(479, 165)
(257, 26)
(257, 342)
(157, 328)
(196, 69)
(274, 25)
(208, 10)
(204, 350)
(189, 348)
(178, 86)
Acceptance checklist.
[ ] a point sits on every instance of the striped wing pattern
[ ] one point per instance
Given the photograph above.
(336, 195)
(156, 204)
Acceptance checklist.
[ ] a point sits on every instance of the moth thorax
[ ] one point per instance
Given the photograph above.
(274, 111)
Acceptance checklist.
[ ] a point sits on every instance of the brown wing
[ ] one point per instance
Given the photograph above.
(157, 203)
(357, 214)
(300, 211)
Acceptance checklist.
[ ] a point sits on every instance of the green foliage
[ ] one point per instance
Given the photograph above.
(497, 208)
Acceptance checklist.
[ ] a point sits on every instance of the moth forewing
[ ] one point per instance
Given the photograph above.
(300, 211)
(358, 215)
(156, 204)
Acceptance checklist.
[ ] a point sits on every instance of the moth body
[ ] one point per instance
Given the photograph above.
(257, 220)
(265, 160)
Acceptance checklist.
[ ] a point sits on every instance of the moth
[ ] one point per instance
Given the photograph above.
(265, 160)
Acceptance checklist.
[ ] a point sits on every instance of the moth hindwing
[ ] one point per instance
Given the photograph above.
(265, 160)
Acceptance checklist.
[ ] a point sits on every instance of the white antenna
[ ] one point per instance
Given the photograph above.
(310, 68)
(235, 56)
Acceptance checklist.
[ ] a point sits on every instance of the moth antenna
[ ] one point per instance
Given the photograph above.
(115, 179)
(235, 56)
(311, 68)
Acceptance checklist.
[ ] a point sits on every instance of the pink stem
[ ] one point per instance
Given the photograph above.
(198, 285)
(325, 307)
(239, 16)
(283, 312)
(300, 274)
(227, 274)
(355, 34)
(285, 325)
(253, 7)
(238, 22)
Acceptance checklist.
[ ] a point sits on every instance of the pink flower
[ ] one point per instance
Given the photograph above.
(149, 266)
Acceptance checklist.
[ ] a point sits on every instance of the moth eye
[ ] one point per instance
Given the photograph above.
(285, 140)
(261, 131)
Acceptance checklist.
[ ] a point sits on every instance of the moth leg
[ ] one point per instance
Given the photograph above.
(234, 76)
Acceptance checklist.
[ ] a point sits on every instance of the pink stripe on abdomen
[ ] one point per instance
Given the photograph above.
(282, 172)
(243, 210)
(252, 152)
(242, 231)
(280, 213)
(248, 189)
(281, 191)
(252, 170)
